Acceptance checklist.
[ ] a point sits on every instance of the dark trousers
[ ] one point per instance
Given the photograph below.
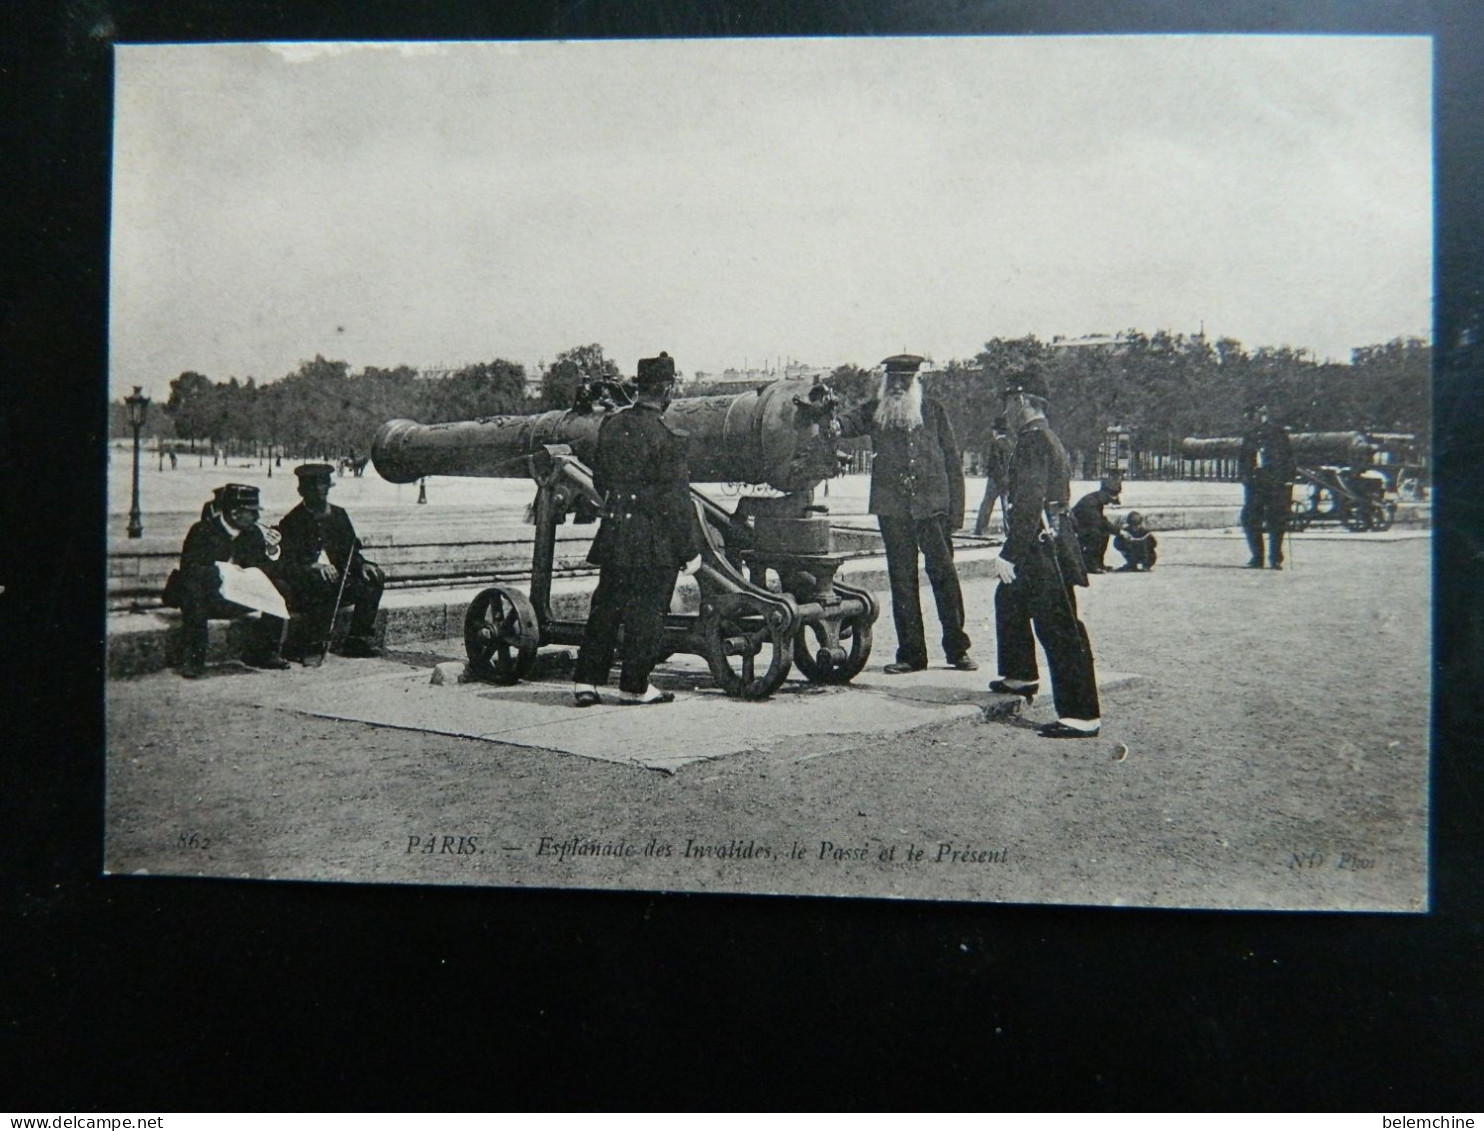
(1094, 545)
(1265, 510)
(636, 600)
(199, 603)
(905, 538)
(1038, 598)
(312, 602)
(991, 493)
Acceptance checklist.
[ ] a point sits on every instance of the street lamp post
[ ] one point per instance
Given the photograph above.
(137, 404)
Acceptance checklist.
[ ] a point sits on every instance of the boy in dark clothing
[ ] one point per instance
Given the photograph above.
(1137, 545)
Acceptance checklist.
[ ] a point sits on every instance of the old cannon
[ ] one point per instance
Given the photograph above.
(768, 594)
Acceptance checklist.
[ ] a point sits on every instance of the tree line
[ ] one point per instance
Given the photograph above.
(1163, 387)
(1158, 387)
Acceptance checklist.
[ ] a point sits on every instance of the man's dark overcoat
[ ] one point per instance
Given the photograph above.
(648, 532)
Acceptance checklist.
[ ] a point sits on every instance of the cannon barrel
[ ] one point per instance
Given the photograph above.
(770, 435)
(1344, 448)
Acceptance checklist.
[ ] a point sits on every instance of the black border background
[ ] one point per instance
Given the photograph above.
(177, 995)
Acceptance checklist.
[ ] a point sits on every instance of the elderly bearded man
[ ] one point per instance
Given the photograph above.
(917, 495)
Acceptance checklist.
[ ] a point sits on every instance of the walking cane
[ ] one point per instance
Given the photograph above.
(339, 593)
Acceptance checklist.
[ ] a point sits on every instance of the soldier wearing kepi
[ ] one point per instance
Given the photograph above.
(319, 544)
(647, 534)
(1040, 563)
(917, 496)
(1268, 470)
(228, 531)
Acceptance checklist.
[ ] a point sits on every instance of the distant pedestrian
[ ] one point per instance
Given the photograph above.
(172, 461)
(1268, 471)
(999, 449)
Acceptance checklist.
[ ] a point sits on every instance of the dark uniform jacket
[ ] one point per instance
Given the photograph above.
(640, 469)
(1041, 477)
(1089, 513)
(1266, 455)
(210, 541)
(916, 473)
(305, 535)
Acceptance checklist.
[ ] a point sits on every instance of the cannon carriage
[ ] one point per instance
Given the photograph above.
(769, 597)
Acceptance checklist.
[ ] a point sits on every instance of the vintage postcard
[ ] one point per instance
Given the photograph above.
(957, 468)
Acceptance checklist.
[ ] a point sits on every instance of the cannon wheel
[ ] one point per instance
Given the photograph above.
(1383, 515)
(855, 633)
(1356, 518)
(748, 652)
(501, 635)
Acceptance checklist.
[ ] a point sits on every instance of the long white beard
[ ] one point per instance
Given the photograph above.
(899, 410)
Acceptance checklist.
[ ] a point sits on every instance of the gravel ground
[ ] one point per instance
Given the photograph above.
(1273, 754)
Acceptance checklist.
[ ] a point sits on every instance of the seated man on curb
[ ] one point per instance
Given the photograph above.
(1137, 544)
(228, 547)
(1094, 527)
(319, 545)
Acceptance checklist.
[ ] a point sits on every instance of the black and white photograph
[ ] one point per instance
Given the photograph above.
(971, 468)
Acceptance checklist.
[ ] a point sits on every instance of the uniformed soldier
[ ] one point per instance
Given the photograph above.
(917, 496)
(228, 531)
(1268, 470)
(1040, 563)
(1093, 526)
(647, 534)
(319, 542)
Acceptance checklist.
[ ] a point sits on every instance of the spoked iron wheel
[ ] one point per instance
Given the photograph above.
(1383, 515)
(812, 654)
(501, 635)
(748, 651)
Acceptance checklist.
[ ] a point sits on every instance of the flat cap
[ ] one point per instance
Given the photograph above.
(655, 372)
(315, 471)
(1029, 380)
(902, 363)
(234, 495)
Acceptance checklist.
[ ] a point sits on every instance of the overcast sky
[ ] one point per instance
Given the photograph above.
(741, 201)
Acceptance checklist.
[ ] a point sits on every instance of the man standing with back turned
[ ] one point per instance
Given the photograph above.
(1040, 563)
(648, 532)
(917, 495)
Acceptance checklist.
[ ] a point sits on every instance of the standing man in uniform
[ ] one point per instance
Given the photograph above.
(319, 544)
(1268, 471)
(1040, 563)
(997, 455)
(228, 531)
(647, 534)
(917, 495)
